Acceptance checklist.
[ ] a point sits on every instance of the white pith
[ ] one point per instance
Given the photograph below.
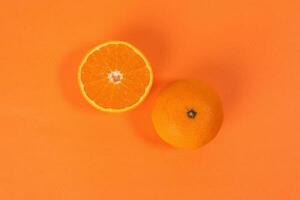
(115, 77)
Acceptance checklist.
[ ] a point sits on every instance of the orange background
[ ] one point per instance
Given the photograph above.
(54, 145)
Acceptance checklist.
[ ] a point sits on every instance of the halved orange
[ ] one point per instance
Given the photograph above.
(115, 77)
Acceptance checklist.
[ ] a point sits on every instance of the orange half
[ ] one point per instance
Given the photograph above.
(115, 77)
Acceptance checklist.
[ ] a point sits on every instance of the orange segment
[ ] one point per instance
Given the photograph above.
(115, 77)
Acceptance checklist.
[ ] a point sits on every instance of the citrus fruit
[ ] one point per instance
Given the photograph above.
(187, 114)
(115, 77)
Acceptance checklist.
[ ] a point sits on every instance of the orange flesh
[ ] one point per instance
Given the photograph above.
(115, 76)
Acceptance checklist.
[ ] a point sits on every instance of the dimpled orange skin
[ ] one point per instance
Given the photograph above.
(187, 114)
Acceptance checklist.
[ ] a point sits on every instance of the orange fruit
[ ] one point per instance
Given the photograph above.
(187, 114)
(115, 77)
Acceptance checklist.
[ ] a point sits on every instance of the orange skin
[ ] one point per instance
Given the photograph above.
(187, 114)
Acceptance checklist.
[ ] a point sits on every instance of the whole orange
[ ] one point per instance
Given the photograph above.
(187, 114)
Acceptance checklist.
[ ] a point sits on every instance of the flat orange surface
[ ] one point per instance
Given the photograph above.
(55, 146)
